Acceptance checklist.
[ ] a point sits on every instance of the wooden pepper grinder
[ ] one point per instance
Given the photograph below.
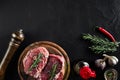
(15, 42)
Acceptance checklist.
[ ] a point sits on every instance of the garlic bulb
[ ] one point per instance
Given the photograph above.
(113, 60)
(100, 63)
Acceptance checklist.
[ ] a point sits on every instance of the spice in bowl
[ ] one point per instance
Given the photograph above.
(84, 71)
(111, 74)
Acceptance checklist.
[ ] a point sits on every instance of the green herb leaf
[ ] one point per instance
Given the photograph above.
(35, 63)
(52, 72)
(110, 74)
(100, 45)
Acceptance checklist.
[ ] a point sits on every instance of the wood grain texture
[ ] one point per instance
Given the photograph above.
(62, 22)
(52, 48)
(15, 42)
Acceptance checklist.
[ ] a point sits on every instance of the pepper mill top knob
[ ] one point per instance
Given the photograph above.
(18, 36)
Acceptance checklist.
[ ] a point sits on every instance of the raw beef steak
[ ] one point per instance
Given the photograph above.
(54, 65)
(35, 60)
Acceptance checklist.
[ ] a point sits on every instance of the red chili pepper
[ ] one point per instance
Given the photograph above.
(105, 32)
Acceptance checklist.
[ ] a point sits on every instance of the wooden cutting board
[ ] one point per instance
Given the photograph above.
(52, 48)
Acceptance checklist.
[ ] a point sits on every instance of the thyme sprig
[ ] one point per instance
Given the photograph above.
(100, 45)
(53, 71)
(37, 60)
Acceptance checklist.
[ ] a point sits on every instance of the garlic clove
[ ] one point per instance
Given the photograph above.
(113, 60)
(100, 63)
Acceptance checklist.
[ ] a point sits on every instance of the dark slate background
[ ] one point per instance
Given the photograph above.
(59, 21)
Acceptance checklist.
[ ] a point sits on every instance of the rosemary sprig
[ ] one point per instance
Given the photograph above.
(100, 45)
(102, 49)
(52, 72)
(35, 63)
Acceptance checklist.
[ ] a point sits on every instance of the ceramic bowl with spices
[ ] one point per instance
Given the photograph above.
(111, 74)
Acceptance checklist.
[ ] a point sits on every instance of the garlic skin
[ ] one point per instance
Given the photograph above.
(112, 60)
(100, 63)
